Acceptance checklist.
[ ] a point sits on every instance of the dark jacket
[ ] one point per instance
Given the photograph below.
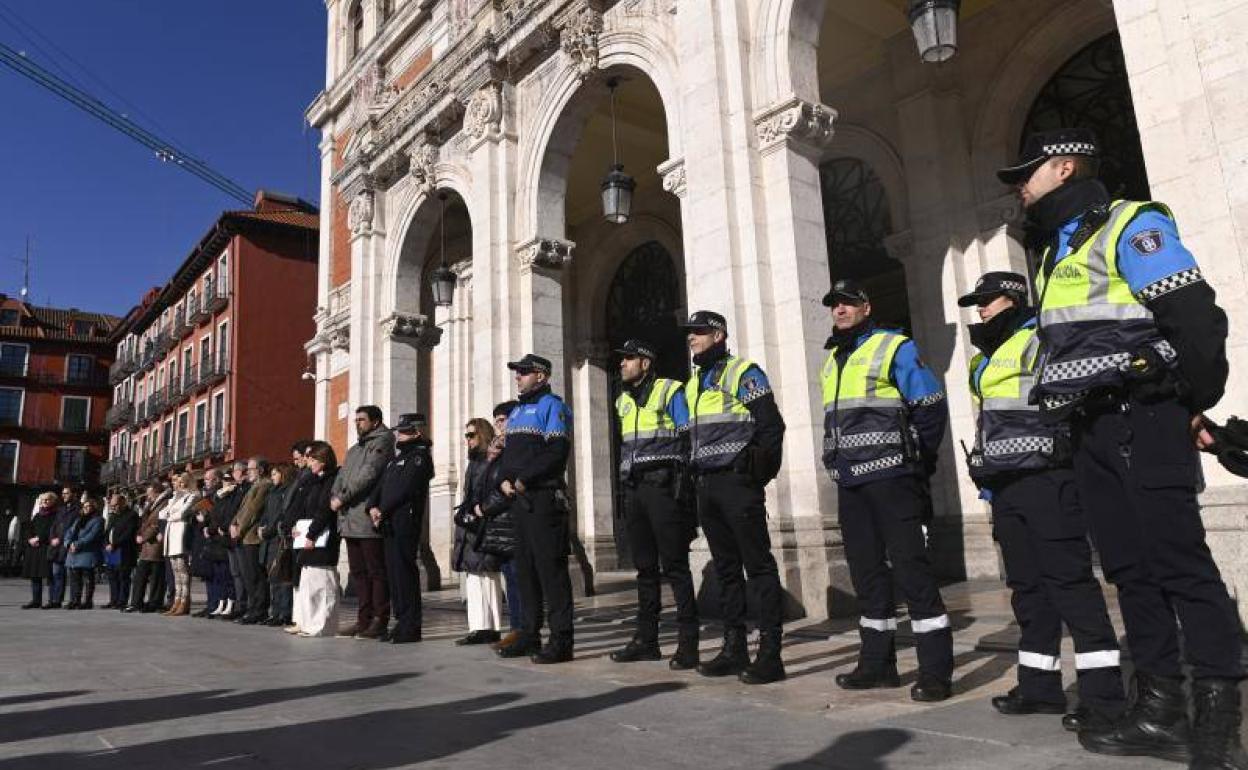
(403, 487)
(274, 507)
(86, 535)
(316, 495)
(35, 562)
(356, 479)
(61, 521)
(224, 507)
(482, 491)
(149, 530)
(120, 532)
(538, 444)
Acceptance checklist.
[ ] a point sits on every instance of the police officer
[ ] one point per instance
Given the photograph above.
(653, 417)
(397, 508)
(1022, 466)
(884, 417)
(533, 463)
(735, 441)
(1134, 352)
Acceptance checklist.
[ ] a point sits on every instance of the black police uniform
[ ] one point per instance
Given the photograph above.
(1128, 378)
(536, 455)
(1023, 466)
(660, 525)
(402, 494)
(732, 467)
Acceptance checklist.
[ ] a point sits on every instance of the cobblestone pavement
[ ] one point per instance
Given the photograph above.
(99, 689)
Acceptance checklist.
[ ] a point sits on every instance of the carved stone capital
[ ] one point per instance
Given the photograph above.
(483, 117)
(463, 271)
(1005, 211)
(673, 174)
(360, 213)
(579, 39)
(801, 125)
(422, 164)
(549, 253)
(411, 328)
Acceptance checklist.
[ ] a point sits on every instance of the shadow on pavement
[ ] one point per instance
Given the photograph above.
(89, 717)
(35, 697)
(374, 740)
(861, 750)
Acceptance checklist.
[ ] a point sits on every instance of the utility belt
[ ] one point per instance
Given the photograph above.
(658, 476)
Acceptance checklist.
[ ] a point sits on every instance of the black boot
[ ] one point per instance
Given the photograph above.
(767, 667)
(1013, 704)
(686, 656)
(1215, 732)
(555, 651)
(931, 689)
(523, 648)
(869, 677)
(732, 658)
(1085, 718)
(1155, 726)
(637, 650)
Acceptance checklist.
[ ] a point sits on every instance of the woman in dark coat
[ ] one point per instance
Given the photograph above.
(483, 585)
(84, 545)
(270, 531)
(120, 550)
(217, 547)
(61, 521)
(37, 536)
(316, 598)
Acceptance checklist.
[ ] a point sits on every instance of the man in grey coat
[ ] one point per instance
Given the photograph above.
(366, 557)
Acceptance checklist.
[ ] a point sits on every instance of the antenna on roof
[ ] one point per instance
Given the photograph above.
(26, 270)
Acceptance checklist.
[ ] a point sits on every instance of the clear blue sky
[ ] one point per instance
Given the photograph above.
(227, 80)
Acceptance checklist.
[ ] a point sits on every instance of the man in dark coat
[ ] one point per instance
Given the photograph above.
(397, 508)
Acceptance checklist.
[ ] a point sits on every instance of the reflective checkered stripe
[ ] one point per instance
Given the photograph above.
(1070, 148)
(720, 426)
(1091, 323)
(862, 415)
(648, 435)
(1018, 445)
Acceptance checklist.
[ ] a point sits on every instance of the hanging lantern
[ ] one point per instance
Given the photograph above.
(935, 27)
(443, 278)
(617, 187)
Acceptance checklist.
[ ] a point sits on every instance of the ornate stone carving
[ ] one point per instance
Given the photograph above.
(422, 165)
(1005, 211)
(579, 39)
(484, 114)
(673, 174)
(463, 269)
(360, 214)
(807, 125)
(549, 253)
(411, 328)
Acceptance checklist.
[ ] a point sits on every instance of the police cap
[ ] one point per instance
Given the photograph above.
(846, 290)
(706, 319)
(636, 347)
(530, 363)
(1043, 145)
(412, 421)
(991, 285)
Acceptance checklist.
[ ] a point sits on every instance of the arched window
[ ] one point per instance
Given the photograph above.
(856, 221)
(355, 27)
(1091, 91)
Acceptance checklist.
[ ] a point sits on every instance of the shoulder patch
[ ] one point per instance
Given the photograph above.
(1148, 241)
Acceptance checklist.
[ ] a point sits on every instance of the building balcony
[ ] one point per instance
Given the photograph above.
(215, 297)
(213, 371)
(96, 379)
(196, 311)
(58, 425)
(157, 402)
(190, 378)
(119, 414)
(115, 472)
(180, 327)
(201, 446)
(121, 369)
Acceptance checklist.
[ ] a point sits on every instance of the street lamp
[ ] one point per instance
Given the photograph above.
(617, 187)
(443, 278)
(935, 27)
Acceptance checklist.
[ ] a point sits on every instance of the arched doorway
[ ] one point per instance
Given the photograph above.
(856, 221)
(1091, 91)
(644, 302)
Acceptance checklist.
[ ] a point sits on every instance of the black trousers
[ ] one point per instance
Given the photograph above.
(542, 564)
(733, 513)
(881, 523)
(402, 548)
(1037, 521)
(1137, 472)
(659, 532)
(257, 580)
(148, 574)
(81, 585)
(237, 577)
(119, 583)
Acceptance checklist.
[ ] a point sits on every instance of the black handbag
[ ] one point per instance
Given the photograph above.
(498, 536)
(466, 517)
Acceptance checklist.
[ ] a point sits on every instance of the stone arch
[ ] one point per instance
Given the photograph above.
(852, 141)
(1064, 32)
(559, 115)
(451, 176)
(787, 50)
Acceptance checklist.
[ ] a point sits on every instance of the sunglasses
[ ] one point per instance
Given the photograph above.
(470, 435)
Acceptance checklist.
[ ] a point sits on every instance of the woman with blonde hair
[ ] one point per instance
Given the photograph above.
(177, 515)
(38, 537)
(316, 598)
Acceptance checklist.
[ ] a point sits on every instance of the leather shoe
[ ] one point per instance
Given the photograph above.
(31, 606)
(398, 638)
(1014, 704)
(929, 689)
(521, 648)
(869, 678)
(1084, 718)
(374, 630)
(130, 608)
(554, 652)
(249, 620)
(637, 650)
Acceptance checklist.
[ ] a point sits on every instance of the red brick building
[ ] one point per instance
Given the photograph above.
(209, 367)
(53, 397)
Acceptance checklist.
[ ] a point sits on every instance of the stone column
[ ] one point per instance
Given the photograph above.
(592, 451)
(540, 262)
(792, 136)
(1185, 63)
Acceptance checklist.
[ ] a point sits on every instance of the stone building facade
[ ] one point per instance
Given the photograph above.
(775, 143)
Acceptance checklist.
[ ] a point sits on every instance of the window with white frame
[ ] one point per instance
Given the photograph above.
(75, 414)
(13, 359)
(223, 274)
(218, 420)
(79, 368)
(11, 406)
(8, 461)
(71, 463)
